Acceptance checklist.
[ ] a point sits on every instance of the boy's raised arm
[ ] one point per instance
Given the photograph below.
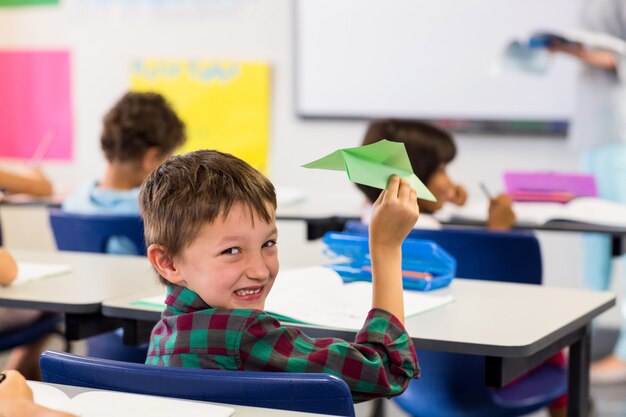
(395, 214)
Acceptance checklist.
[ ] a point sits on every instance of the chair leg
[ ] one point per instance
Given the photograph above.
(67, 345)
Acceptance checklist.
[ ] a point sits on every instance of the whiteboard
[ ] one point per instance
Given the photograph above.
(428, 59)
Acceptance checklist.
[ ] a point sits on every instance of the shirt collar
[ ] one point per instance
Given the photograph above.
(184, 300)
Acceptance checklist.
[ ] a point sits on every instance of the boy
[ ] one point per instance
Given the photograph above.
(211, 234)
(139, 133)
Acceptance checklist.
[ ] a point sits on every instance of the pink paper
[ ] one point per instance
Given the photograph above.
(545, 181)
(35, 99)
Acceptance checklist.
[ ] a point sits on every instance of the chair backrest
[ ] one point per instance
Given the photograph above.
(313, 393)
(91, 232)
(23, 335)
(508, 256)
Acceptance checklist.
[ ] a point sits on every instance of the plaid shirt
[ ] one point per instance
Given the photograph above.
(191, 334)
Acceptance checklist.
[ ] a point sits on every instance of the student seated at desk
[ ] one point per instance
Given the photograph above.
(31, 181)
(139, 133)
(16, 399)
(23, 358)
(220, 261)
(430, 150)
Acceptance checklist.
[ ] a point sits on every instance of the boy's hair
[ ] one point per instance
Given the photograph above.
(427, 146)
(139, 121)
(188, 191)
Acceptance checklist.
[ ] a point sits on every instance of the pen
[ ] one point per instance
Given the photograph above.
(486, 191)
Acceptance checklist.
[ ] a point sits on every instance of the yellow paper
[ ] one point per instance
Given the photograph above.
(224, 104)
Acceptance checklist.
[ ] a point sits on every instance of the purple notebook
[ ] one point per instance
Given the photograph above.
(543, 181)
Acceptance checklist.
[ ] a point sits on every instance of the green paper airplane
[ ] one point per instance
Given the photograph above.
(373, 165)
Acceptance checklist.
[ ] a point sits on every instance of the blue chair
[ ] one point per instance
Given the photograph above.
(313, 393)
(508, 256)
(90, 233)
(452, 385)
(46, 324)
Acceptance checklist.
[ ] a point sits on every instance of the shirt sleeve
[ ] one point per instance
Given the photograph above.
(380, 363)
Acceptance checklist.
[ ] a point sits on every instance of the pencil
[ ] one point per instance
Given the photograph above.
(42, 149)
(486, 191)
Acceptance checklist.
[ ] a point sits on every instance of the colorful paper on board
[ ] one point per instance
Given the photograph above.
(225, 105)
(373, 165)
(35, 102)
(11, 3)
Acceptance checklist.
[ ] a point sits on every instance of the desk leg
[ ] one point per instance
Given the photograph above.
(82, 326)
(578, 375)
(617, 245)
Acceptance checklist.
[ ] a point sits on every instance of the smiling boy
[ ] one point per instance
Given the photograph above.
(211, 234)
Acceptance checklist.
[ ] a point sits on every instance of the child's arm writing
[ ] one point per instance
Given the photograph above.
(501, 215)
(16, 399)
(395, 214)
(30, 182)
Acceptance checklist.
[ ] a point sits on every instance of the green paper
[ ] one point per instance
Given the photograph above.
(12, 3)
(373, 165)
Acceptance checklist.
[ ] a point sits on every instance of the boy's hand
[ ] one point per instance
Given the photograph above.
(395, 213)
(501, 215)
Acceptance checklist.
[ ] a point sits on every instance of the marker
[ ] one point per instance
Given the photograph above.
(409, 274)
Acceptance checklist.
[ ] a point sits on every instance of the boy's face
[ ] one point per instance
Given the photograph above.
(233, 262)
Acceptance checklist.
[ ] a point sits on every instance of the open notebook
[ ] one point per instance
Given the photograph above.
(588, 210)
(119, 404)
(317, 295)
(32, 271)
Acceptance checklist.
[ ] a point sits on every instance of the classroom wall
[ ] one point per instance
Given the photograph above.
(103, 42)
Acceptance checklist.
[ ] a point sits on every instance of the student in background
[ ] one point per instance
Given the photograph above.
(31, 182)
(599, 130)
(139, 133)
(430, 150)
(211, 233)
(16, 399)
(23, 358)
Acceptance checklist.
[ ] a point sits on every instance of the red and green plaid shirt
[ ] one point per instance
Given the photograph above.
(191, 334)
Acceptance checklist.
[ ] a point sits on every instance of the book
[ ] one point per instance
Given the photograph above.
(120, 404)
(317, 296)
(32, 271)
(532, 55)
(549, 186)
(585, 210)
(586, 38)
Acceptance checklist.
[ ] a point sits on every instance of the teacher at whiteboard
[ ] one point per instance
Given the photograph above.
(599, 130)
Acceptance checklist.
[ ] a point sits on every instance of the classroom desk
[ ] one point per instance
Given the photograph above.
(324, 213)
(514, 326)
(79, 293)
(240, 410)
(618, 234)
(28, 200)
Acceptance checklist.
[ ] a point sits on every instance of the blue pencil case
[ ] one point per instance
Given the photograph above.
(425, 265)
